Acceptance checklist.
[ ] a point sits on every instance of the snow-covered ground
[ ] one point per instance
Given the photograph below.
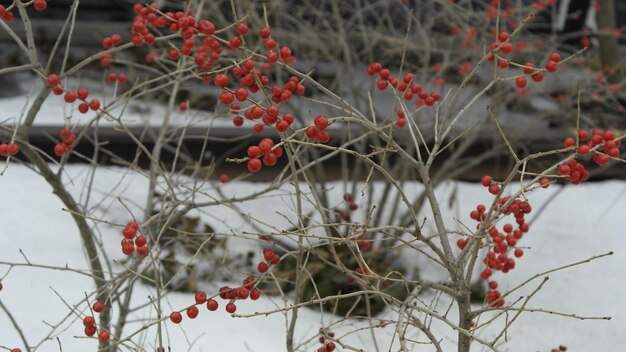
(583, 221)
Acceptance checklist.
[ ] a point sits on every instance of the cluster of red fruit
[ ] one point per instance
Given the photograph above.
(497, 259)
(128, 245)
(266, 149)
(605, 146)
(327, 346)
(81, 94)
(318, 130)
(407, 86)
(7, 149)
(68, 137)
(345, 214)
(269, 117)
(90, 324)
(281, 95)
(560, 349)
(245, 291)
(493, 186)
(8, 16)
(270, 257)
(573, 171)
(604, 140)
(120, 78)
(199, 41)
(536, 75)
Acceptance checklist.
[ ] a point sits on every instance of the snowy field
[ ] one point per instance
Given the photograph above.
(581, 222)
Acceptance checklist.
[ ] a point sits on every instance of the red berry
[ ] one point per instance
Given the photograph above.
(518, 252)
(200, 297)
(537, 77)
(128, 248)
(520, 82)
(262, 267)
(486, 181)
(176, 317)
(231, 307)
(493, 285)
(82, 93)
(503, 36)
(221, 80)
(265, 32)
(494, 189)
(582, 135)
(90, 330)
(212, 305)
(551, 66)
(70, 97)
(183, 106)
(53, 79)
(311, 132)
(13, 149)
(224, 178)
(142, 251)
(98, 307)
(544, 182)
(564, 169)
(89, 321)
(528, 69)
(83, 108)
(555, 57)
(104, 336)
(583, 149)
(227, 98)
(241, 94)
(569, 142)
(321, 122)
(94, 104)
(192, 312)
(242, 28)
(140, 241)
(59, 149)
(254, 165)
(255, 294)
(254, 151)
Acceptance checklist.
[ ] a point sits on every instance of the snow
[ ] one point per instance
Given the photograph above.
(581, 222)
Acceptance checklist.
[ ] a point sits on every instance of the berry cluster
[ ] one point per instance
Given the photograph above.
(266, 149)
(90, 326)
(68, 138)
(327, 346)
(200, 43)
(128, 245)
(318, 130)
(344, 214)
(8, 16)
(493, 186)
(270, 257)
(7, 149)
(604, 141)
(120, 78)
(501, 243)
(605, 146)
(246, 291)
(573, 171)
(561, 348)
(81, 94)
(407, 86)
(269, 117)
